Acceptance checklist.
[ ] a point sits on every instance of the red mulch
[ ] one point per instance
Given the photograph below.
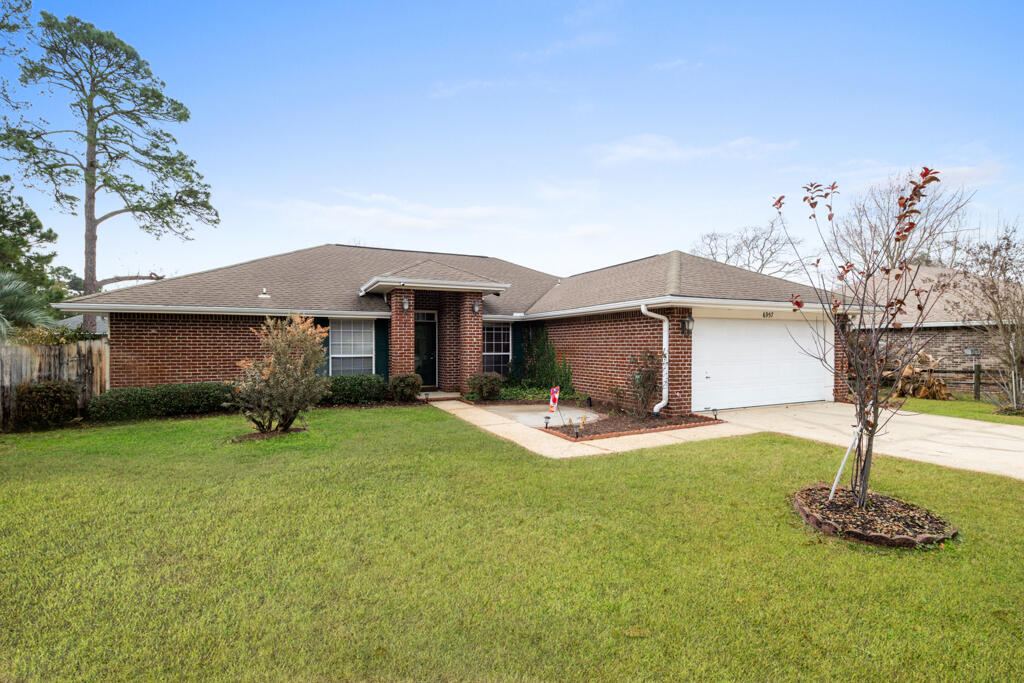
(621, 424)
(260, 436)
(885, 521)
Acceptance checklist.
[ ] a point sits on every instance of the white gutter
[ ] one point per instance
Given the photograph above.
(212, 310)
(685, 301)
(664, 356)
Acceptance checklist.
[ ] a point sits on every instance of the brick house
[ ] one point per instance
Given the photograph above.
(732, 338)
(948, 337)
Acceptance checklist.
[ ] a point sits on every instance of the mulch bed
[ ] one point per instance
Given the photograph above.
(622, 425)
(260, 436)
(886, 521)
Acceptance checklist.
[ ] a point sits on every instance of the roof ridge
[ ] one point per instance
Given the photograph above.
(440, 263)
(614, 265)
(675, 262)
(745, 270)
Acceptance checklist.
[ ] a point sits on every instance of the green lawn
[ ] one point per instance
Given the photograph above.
(402, 543)
(964, 406)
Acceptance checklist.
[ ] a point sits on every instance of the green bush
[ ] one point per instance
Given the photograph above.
(405, 388)
(485, 385)
(44, 405)
(538, 367)
(354, 390)
(162, 400)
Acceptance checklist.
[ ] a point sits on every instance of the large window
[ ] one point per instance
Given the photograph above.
(352, 347)
(497, 348)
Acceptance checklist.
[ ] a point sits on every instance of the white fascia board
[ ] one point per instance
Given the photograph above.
(211, 310)
(380, 285)
(681, 301)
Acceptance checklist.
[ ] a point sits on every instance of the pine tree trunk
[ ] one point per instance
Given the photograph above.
(89, 276)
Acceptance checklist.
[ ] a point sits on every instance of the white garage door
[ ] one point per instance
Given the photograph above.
(740, 363)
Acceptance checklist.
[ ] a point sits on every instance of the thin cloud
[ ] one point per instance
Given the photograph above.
(661, 148)
(572, 191)
(584, 231)
(583, 41)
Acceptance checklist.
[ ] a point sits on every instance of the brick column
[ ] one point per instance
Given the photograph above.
(680, 362)
(840, 392)
(470, 337)
(402, 352)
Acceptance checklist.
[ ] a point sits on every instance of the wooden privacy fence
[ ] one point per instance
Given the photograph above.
(84, 363)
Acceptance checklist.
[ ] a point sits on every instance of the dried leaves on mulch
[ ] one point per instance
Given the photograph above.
(883, 515)
(619, 423)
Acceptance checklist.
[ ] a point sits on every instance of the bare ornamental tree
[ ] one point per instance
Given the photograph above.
(865, 281)
(990, 299)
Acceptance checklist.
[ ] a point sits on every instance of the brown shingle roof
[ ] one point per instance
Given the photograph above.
(673, 273)
(328, 278)
(325, 278)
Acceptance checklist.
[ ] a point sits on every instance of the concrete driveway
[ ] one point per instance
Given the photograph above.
(948, 441)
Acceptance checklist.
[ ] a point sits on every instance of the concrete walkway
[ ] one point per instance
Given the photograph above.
(948, 441)
(551, 446)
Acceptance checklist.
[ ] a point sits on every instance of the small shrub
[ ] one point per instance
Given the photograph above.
(485, 385)
(405, 388)
(645, 381)
(354, 390)
(538, 366)
(56, 336)
(275, 389)
(44, 405)
(161, 400)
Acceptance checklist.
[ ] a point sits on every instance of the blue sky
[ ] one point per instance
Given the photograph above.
(564, 136)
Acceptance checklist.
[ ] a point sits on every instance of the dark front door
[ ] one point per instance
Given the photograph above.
(426, 348)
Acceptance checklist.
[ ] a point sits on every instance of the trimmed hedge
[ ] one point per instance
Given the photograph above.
(162, 400)
(485, 385)
(355, 390)
(405, 388)
(44, 405)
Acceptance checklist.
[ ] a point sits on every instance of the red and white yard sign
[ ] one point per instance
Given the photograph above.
(553, 405)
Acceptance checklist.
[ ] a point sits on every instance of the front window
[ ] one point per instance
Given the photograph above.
(352, 347)
(497, 348)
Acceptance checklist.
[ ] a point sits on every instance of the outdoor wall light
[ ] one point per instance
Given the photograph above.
(405, 303)
(687, 326)
(476, 306)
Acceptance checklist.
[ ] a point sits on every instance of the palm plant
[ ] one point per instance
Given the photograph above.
(21, 306)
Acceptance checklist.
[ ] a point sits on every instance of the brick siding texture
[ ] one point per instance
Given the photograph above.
(947, 344)
(599, 349)
(459, 334)
(147, 349)
(401, 356)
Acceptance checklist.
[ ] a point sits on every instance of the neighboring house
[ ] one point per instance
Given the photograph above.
(732, 336)
(75, 322)
(948, 337)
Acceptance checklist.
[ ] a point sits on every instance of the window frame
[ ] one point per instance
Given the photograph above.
(330, 346)
(507, 327)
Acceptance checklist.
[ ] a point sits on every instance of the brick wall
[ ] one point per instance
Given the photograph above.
(947, 344)
(148, 348)
(841, 365)
(471, 336)
(401, 352)
(599, 349)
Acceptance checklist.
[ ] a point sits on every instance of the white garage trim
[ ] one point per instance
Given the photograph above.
(744, 361)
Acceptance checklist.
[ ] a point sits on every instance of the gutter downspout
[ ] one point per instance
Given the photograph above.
(664, 357)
